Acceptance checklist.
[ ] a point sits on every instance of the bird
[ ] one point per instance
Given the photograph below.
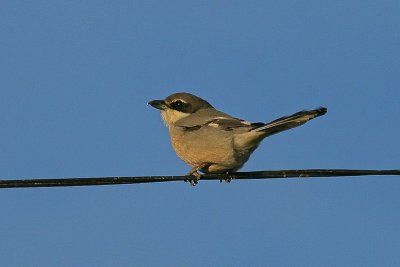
(213, 142)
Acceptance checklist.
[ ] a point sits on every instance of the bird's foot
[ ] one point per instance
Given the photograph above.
(228, 179)
(193, 173)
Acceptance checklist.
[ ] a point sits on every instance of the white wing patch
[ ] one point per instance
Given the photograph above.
(228, 123)
(245, 122)
(213, 124)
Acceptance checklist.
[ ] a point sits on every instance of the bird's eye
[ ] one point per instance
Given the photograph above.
(178, 103)
(180, 106)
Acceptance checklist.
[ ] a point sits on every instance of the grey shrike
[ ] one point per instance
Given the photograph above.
(212, 141)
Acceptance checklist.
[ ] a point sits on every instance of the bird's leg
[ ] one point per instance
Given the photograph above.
(229, 179)
(194, 172)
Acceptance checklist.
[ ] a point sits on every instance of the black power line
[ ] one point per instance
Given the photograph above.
(153, 179)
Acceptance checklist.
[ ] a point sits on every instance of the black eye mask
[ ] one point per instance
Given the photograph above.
(179, 105)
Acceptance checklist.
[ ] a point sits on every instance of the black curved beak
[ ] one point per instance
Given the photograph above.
(158, 104)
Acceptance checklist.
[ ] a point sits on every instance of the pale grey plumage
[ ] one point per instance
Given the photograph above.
(212, 141)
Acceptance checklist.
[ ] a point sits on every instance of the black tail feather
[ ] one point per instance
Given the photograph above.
(288, 122)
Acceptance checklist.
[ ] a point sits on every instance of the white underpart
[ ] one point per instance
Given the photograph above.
(171, 116)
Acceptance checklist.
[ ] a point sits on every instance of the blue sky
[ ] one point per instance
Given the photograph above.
(76, 77)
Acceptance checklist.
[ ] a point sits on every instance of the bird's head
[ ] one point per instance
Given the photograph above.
(178, 106)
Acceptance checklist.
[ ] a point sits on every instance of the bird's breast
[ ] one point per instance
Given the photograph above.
(201, 146)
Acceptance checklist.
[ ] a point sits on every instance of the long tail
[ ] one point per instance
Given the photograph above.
(286, 123)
